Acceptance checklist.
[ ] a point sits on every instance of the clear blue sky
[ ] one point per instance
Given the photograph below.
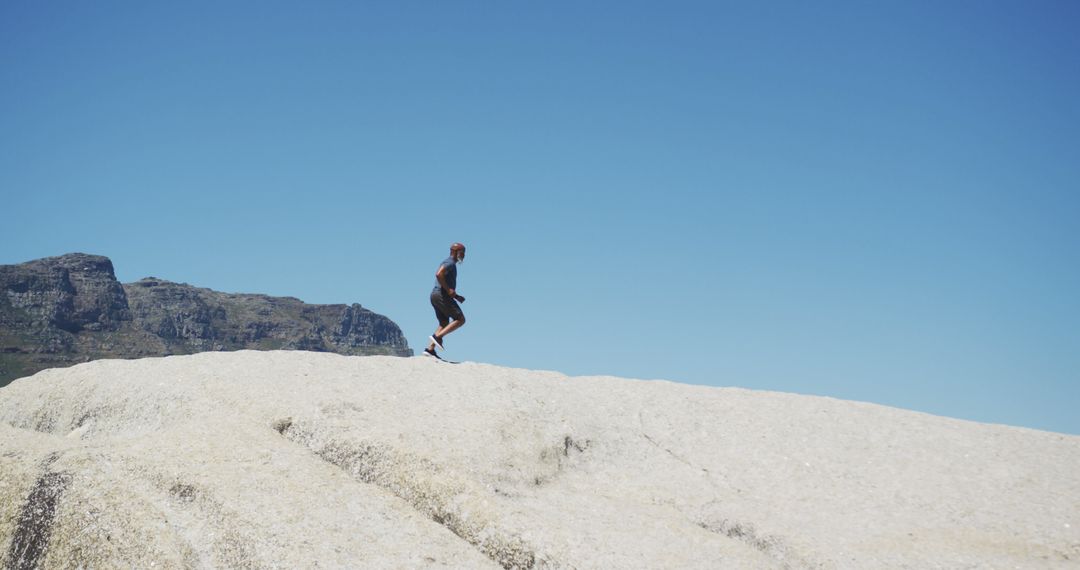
(874, 201)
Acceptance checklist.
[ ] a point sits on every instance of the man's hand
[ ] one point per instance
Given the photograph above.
(459, 298)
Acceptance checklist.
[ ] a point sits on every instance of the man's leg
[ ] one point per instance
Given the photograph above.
(441, 317)
(453, 326)
(447, 309)
(431, 344)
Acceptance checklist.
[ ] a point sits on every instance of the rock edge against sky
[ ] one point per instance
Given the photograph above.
(64, 310)
(300, 459)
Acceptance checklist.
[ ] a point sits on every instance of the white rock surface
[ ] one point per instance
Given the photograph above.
(314, 460)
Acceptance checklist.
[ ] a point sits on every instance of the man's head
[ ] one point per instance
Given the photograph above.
(457, 252)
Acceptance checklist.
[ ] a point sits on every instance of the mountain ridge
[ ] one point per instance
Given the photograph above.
(59, 311)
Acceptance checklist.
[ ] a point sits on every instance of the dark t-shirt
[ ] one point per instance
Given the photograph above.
(450, 275)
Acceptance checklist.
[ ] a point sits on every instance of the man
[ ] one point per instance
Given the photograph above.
(444, 299)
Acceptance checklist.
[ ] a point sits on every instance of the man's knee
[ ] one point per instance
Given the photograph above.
(461, 321)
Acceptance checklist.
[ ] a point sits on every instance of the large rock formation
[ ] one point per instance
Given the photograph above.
(312, 460)
(64, 310)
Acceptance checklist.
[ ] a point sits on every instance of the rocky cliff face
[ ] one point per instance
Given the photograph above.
(64, 310)
(72, 293)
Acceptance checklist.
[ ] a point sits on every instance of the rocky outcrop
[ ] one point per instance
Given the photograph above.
(290, 459)
(72, 293)
(203, 319)
(64, 310)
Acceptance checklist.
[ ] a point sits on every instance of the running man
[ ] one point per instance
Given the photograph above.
(444, 298)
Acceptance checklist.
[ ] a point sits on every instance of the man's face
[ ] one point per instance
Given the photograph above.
(458, 254)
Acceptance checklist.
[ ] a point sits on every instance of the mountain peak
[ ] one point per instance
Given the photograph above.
(62, 310)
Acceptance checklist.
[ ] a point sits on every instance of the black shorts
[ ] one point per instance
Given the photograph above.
(446, 308)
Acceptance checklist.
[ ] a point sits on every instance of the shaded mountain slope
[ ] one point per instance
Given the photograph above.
(59, 311)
